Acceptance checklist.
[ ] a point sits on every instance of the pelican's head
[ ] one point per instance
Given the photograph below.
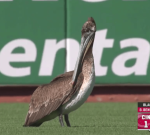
(88, 34)
(89, 26)
(87, 39)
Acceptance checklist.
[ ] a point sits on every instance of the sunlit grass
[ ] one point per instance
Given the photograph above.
(89, 119)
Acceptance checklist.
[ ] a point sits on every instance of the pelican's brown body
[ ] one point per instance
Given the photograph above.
(68, 91)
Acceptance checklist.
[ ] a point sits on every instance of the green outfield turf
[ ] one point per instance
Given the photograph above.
(89, 119)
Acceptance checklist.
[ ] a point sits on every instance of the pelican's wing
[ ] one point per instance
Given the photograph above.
(47, 98)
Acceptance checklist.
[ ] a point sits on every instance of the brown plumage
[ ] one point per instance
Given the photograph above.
(88, 25)
(49, 97)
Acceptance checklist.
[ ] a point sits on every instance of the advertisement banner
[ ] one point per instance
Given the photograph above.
(40, 39)
(31, 41)
(122, 43)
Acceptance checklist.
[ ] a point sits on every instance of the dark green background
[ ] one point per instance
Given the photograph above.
(123, 19)
(62, 19)
(35, 21)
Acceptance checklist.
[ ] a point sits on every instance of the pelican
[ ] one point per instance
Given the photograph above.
(68, 91)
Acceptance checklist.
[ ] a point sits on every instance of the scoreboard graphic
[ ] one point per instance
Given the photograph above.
(143, 116)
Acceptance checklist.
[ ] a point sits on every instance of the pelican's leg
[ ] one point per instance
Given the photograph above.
(61, 120)
(67, 120)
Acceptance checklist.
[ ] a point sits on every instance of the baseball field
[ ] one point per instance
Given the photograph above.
(89, 119)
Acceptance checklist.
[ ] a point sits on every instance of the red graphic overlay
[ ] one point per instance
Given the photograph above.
(143, 121)
(143, 109)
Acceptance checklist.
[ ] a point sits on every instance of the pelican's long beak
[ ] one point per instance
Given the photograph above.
(86, 42)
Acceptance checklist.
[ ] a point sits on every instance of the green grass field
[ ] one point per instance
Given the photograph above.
(89, 119)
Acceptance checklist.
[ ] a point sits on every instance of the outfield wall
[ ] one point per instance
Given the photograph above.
(99, 94)
(40, 40)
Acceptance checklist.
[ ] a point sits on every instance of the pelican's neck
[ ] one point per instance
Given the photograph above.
(88, 63)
